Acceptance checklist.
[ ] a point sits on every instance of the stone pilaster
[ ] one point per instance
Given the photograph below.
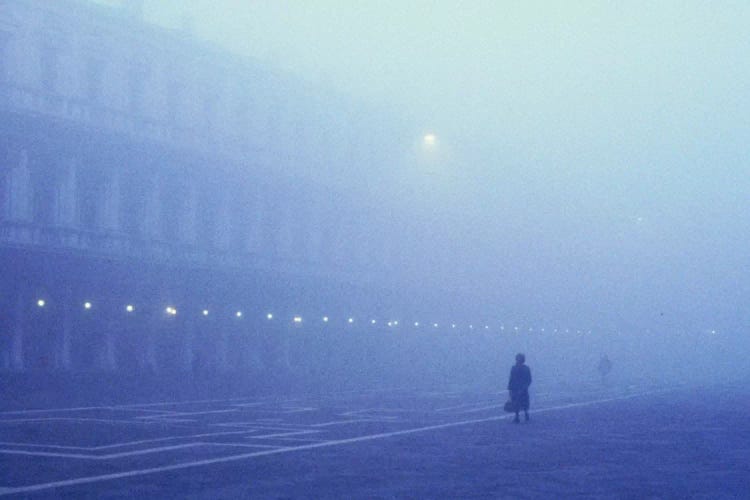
(254, 226)
(63, 358)
(314, 231)
(152, 214)
(223, 223)
(188, 353)
(222, 351)
(17, 340)
(111, 201)
(188, 218)
(149, 361)
(109, 354)
(285, 231)
(19, 188)
(66, 197)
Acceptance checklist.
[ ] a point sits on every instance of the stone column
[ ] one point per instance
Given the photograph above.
(285, 240)
(16, 347)
(111, 201)
(222, 353)
(109, 354)
(19, 189)
(315, 237)
(285, 348)
(255, 222)
(152, 213)
(63, 358)
(188, 353)
(66, 209)
(188, 219)
(144, 348)
(223, 223)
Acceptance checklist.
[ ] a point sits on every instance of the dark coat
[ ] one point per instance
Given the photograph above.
(520, 378)
(518, 385)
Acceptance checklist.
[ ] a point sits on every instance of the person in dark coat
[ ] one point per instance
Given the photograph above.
(605, 366)
(518, 386)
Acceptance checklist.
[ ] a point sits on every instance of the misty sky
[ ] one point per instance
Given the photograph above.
(596, 151)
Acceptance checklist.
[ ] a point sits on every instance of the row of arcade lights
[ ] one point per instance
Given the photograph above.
(172, 311)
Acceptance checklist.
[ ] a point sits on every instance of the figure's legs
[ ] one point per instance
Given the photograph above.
(526, 413)
(516, 420)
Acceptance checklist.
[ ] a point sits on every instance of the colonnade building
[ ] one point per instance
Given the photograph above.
(150, 181)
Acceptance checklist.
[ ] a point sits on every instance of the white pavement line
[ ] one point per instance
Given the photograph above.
(240, 445)
(253, 425)
(134, 406)
(271, 426)
(381, 410)
(53, 410)
(76, 419)
(296, 409)
(128, 443)
(125, 454)
(283, 434)
(355, 421)
(185, 414)
(176, 403)
(309, 440)
(303, 447)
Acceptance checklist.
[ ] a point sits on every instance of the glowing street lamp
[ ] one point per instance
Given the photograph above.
(40, 302)
(87, 305)
(129, 308)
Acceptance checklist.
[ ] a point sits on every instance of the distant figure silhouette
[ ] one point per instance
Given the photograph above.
(518, 386)
(605, 366)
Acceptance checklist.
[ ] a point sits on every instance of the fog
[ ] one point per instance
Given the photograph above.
(574, 177)
(591, 160)
(293, 248)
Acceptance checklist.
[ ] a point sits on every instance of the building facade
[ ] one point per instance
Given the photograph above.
(161, 198)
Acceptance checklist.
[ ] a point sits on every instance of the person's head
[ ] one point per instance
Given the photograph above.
(520, 359)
